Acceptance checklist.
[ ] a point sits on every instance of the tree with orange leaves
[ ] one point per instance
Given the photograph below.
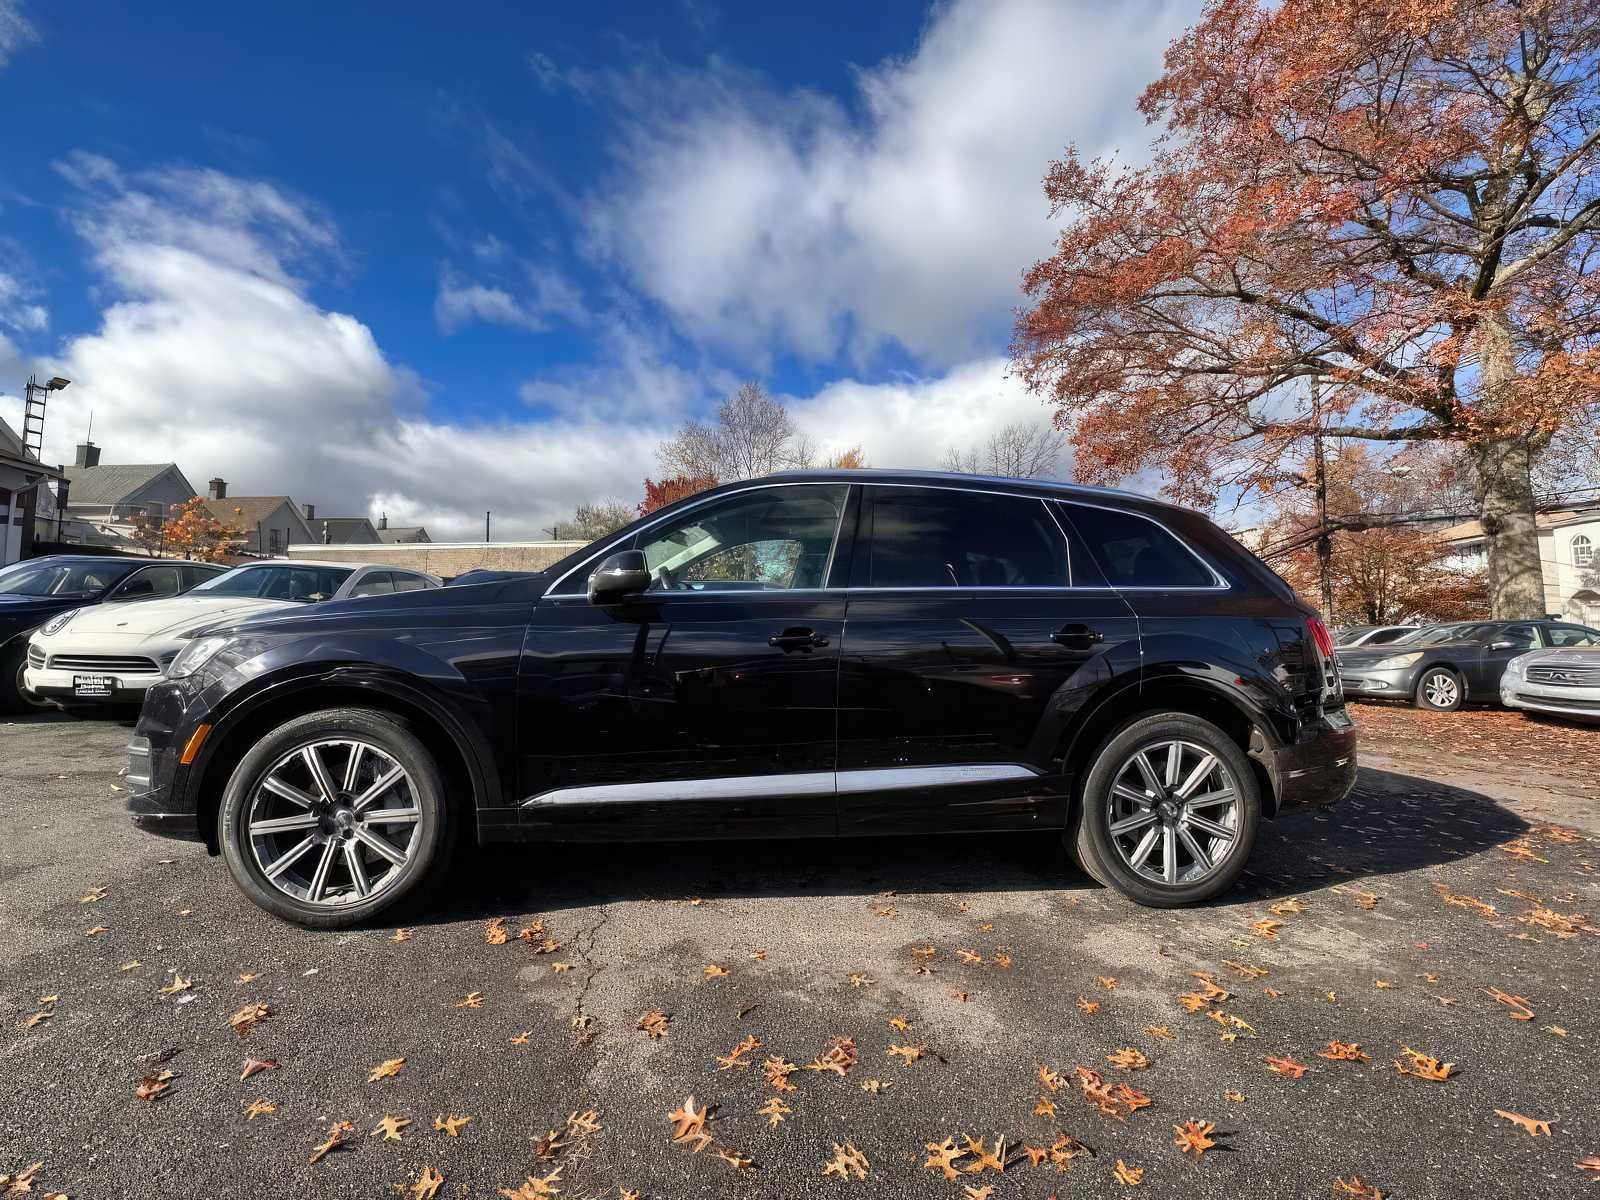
(671, 489)
(1376, 219)
(193, 532)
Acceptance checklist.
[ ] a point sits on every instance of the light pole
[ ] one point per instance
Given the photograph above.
(36, 394)
(1324, 542)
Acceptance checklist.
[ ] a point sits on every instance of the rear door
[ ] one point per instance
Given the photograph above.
(973, 636)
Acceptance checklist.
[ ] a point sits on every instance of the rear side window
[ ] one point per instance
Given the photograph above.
(1134, 551)
(937, 537)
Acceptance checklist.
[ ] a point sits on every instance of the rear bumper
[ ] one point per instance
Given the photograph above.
(1318, 769)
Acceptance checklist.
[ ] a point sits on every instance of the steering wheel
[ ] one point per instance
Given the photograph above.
(669, 581)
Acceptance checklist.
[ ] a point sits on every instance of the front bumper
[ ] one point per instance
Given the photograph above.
(1580, 702)
(1395, 684)
(55, 684)
(1318, 768)
(161, 791)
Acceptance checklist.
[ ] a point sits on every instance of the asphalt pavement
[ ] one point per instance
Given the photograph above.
(1396, 915)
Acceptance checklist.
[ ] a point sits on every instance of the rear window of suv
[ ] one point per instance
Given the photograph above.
(1134, 551)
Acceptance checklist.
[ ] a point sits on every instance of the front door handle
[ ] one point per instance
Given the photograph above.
(1077, 637)
(796, 639)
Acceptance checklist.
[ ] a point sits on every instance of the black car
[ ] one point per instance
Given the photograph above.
(806, 655)
(36, 589)
(1442, 667)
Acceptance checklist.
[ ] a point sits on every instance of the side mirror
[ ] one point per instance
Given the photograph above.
(618, 576)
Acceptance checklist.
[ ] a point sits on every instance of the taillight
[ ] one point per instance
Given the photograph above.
(1320, 635)
(1332, 686)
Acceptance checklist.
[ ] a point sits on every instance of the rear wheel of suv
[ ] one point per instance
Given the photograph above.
(1168, 811)
(1439, 689)
(335, 817)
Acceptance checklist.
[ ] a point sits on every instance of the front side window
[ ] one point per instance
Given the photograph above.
(47, 578)
(151, 582)
(1523, 637)
(373, 583)
(1384, 636)
(944, 538)
(1582, 551)
(1572, 635)
(304, 585)
(770, 539)
(1134, 551)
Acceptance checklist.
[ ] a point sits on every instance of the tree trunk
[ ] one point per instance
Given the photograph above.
(1505, 498)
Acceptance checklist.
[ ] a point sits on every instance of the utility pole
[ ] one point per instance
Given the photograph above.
(486, 536)
(1324, 542)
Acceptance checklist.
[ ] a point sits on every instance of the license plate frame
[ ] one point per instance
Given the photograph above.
(93, 686)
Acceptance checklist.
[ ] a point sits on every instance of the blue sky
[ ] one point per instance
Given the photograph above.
(431, 259)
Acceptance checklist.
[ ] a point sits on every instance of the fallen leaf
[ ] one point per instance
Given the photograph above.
(152, 1086)
(1160, 1031)
(968, 956)
(1422, 1066)
(923, 952)
(93, 895)
(874, 1086)
(774, 1110)
(337, 1133)
(777, 1069)
(38, 1018)
(1285, 1066)
(654, 1023)
(1357, 1186)
(1126, 1174)
(178, 984)
(559, 967)
(1087, 1006)
(739, 1162)
(1381, 984)
(1267, 928)
(1344, 1052)
(248, 1017)
(1517, 1004)
(1287, 908)
(973, 1192)
(1129, 1059)
(861, 979)
(96, 931)
(387, 1069)
(495, 932)
(547, 1145)
(427, 1185)
(523, 1038)
(736, 1056)
(1109, 982)
(1532, 1126)
(985, 1160)
(1052, 1080)
(470, 1000)
(689, 1123)
(942, 1156)
(247, 978)
(535, 1188)
(22, 1181)
(1194, 1137)
(899, 1023)
(910, 1053)
(390, 1127)
(1235, 1096)
(1590, 1162)
(451, 1125)
(1245, 969)
(402, 935)
(254, 1066)
(1114, 1099)
(961, 997)
(714, 971)
(131, 965)
(838, 1056)
(847, 1162)
(259, 1108)
(1045, 1108)
(1002, 960)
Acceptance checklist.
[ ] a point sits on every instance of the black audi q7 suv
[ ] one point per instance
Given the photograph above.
(812, 654)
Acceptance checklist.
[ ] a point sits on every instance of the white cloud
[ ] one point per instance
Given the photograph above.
(16, 311)
(764, 219)
(16, 31)
(546, 298)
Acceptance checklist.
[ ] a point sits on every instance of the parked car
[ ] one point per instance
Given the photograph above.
(111, 656)
(1564, 681)
(811, 654)
(37, 589)
(1352, 636)
(1442, 667)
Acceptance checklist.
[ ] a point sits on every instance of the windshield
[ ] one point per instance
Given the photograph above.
(46, 578)
(304, 585)
(1429, 635)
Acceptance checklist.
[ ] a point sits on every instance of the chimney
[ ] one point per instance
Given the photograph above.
(311, 512)
(88, 454)
(383, 520)
(219, 489)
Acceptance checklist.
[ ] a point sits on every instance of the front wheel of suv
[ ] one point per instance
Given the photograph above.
(1168, 811)
(335, 817)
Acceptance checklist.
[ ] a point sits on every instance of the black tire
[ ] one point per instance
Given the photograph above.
(1436, 683)
(433, 834)
(13, 699)
(1089, 837)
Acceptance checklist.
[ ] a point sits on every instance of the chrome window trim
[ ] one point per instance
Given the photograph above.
(799, 783)
(1221, 584)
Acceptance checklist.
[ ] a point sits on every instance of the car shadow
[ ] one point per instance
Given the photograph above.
(112, 714)
(1390, 823)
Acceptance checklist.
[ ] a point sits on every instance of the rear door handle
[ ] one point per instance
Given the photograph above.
(1077, 637)
(797, 639)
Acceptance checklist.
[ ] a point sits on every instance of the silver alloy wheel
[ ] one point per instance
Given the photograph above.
(29, 700)
(333, 822)
(1173, 812)
(1441, 689)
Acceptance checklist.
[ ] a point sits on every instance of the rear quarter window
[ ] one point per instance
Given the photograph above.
(1136, 552)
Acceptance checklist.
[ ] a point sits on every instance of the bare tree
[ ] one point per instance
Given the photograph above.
(753, 435)
(591, 521)
(1021, 450)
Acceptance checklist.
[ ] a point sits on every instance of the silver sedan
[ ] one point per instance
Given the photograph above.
(1563, 681)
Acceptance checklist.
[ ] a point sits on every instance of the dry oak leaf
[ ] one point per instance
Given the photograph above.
(387, 1069)
(973, 1192)
(337, 1133)
(522, 1039)
(909, 1053)
(1194, 1137)
(1113, 1099)
(654, 1023)
(548, 1144)
(1422, 1066)
(1245, 969)
(736, 1056)
(1590, 1162)
(535, 1188)
(427, 1185)
(93, 895)
(861, 979)
(1267, 928)
(1193, 1001)
(774, 1110)
(584, 1124)
(1109, 982)
(1344, 1052)
(38, 1018)
(495, 932)
(923, 952)
(689, 1122)
(22, 1181)
(401, 935)
(1532, 1126)
(899, 1023)
(1053, 1080)
(1129, 1059)
(839, 1056)
(968, 956)
(152, 1086)
(133, 964)
(961, 997)
(1358, 1187)
(1045, 1108)
(533, 931)
(1160, 1031)
(390, 1127)
(259, 1108)
(1284, 1066)
(245, 978)
(452, 1124)
(178, 984)
(246, 1018)
(1236, 1096)
(559, 967)
(1126, 1174)
(253, 1066)
(1087, 1006)
(847, 1162)
(1210, 988)
(96, 931)
(942, 1156)
(470, 1000)
(1002, 960)
(777, 1069)
(1517, 1004)
(714, 971)
(757, 955)
(739, 1162)
(628, 1193)
(1287, 908)
(986, 1160)
(874, 1086)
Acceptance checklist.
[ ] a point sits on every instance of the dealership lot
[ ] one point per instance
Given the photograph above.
(1449, 874)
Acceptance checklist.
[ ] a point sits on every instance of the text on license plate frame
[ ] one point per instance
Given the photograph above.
(94, 687)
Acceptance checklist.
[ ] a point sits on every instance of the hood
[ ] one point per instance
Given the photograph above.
(28, 611)
(181, 614)
(1365, 655)
(1565, 656)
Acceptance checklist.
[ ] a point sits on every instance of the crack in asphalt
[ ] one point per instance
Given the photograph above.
(583, 943)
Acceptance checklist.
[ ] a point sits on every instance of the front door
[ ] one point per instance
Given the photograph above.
(974, 635)
(1500, 646)
(704, 707)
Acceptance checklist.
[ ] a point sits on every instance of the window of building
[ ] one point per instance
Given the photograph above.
(1582, 551)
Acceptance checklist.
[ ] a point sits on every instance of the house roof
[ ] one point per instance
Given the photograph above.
(111, 483)
(403, 533)
(1469, 531)
(244, 512)
(341, 529)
